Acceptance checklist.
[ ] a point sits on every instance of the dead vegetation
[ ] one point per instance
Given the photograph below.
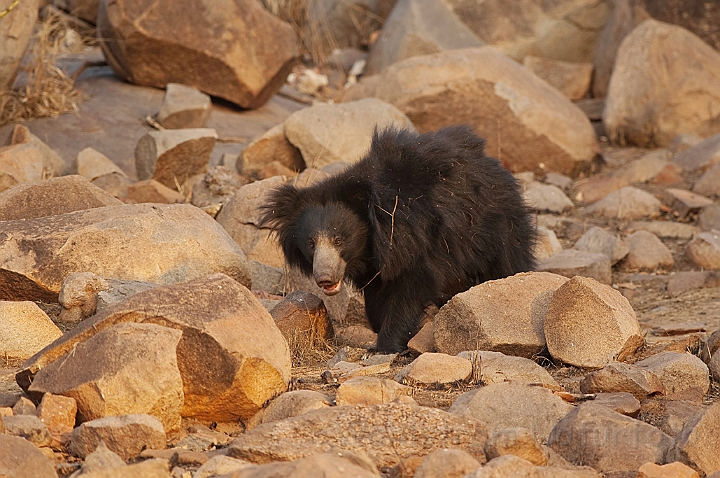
(45, 91)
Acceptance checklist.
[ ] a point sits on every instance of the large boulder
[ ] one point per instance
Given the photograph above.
(16, 28)
(525, 121)
(145, 242)
(666, 82)
(233, 49)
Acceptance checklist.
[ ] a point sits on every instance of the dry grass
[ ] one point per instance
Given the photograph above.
(48, 91)
(310, 347)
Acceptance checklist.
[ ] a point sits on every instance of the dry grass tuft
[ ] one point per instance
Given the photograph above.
(310, 347)
(48, 91)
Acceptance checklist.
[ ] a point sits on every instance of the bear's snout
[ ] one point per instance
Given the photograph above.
(328, 267)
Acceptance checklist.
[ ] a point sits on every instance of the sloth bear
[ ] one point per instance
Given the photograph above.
(419, 219)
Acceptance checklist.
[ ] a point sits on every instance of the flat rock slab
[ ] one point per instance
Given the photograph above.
(126, 435)
(367, 429)
(146, 242)
(573, 262)
(626, 203)
(679, 373)
(619, 377)
(435, 368)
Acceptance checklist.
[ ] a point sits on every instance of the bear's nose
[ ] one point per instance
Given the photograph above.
(324, 280)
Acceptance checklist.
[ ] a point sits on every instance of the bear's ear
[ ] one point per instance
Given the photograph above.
(360, 196)
(283, 206)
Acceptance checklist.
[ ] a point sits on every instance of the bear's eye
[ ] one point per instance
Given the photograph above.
(337, 242)
(311, 244)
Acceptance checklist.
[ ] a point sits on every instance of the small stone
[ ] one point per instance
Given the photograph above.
(183, 107)
(698, 442)
(515, 441)
(24, 407)
(704, 250)
(572, 262)
(667, 414)
(270, 147)
(619, 377)
(151, 191)
(302, 318)
(79, 295)
(547, 198)
(709, 183)
(290, 404)
(24, 330)
(597, 240)
(709, 218)
(664, 229)
(565, 227)
(671, 470)
(571, 79)
(496, 367)
(678, 372)
(506, 465)
(101, 457)
(221, 465)
(29, 427)
(126, 435)
(700, 156)
(424, 340)
(626, 203)
(369, 391)
(58, 413)
(547, 244)
(685, 202)
(356, 336)
(435, 368)
(92, 164)
(621, 402)
(647, 253)
(593, 189)
(646, 168)
(446, 463)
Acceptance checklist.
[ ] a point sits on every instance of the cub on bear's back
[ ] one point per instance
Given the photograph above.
(419, 219)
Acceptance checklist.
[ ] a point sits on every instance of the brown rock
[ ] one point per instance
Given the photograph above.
(21, 459)
(685, 202)
(20, 163)
(144, 47)
(495, 367)
(457, 86)
(370, 391)
(701, 156)
(23, 407)
(646, 168)
(664, 229)
(151, 191)
(571, 79)
(546, 198)
(547, 244)
(593, 189)
(647, 253)
(178, 243)
(220, 465)
(52, 163)
(689, 280)
(272, 146)
(92, 164)
(79, 296)
(583, 435)
(704, 250)
(709, 183)
(626, 203)
(29, 427)
(516, 441)
(572, 262)
(650, 101)
(145, 469)
(698, 442)
(290, 404)
(183, 107)
(356, 429)
(511, 405)
(446, 463)
(58, 413)
(668, 415)
(232, 357)
(621, 402)
(613, 333)
(597, 240)
(678, 372)
(502, 315)
(15, 33)
(24, 329)
(435, 368)
(126, 435)
(506, 465)
(302, 319)
(424, 340)
(333, 464)
(619, 377)
(671, 470)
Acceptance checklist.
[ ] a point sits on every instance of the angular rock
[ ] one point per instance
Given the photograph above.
(424, 340)
(370, 391)
(647, 253)
(20, 163)
(448, 463)
(123, 369)
(302, 318)
(52, 164)
(669, 415)
(547, 244)
(704, 250)
(559, 180)
(101, 457)
(178, 243)
(435, 368)
(221, 465)
(15, 33)
(24, 329)
(52, 197)
(701, 156)
(79, 296)
(356, 429)
(678, 372)
(506, 465)
(239, 51)
(709, 183)
(511, 405)
(714, 366)
(650, 99)
(589, 324)
(684, 202)
(516, 441)
(582, 437)
(621, 402)
(597, 240)
(698, 442)
(546, 198)
(92, 164)
(126, 435)
(646, 168)
(326, 133)
(29, 427)
(290, 404)
(572, 262)
(272, 146)
(594, 188)
(495, 367)
(23, 407)
(568, 228)
(183, 107)
(626, 203)
(571, 79)
(20, 458)
(531, 122)
(151, 191)
(671, 470)
(57, 413)
(267, 278)
(172, 156)
(664, 229)
(232, 358)
(217, 187)
(619, 377)
(502, 315)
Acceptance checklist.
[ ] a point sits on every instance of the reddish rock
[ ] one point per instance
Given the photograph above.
(126, 435)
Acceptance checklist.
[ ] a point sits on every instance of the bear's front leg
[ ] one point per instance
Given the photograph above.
(394, 310)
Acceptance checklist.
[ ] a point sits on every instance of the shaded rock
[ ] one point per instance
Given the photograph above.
(29, 427)
(709, 183)
(232, 358)
(290, 404)
(714, 367)
(356, 429)
(92, 164)
(126, 435)
(546, 244)
(23, 407)
(571, 79)
(272, 146)
(592, 189)
(157, 468)
(664, 229)
(217, 187)
(446, 463)
(495, 367)
(511, 405)
(626, 203)
(688, 280)
(151, 191)
(678, 372)
(515, 441)
(668, 415)
(621, 402)
(572, 262)
(583, 435)
(424, 340)
(613, 333)
(698, 442)
(20, 458)
(502, 315)
(704, 250)
(143, 47)
(559, 180)
(302, 319)
(650, 101)
(646, 168)
(267, 278)
(123, 369)
(597, 240)
(101, 457)
(115, 184)
(647, 253)
(565, 227)
(370, 391)
(684, 202)
(546, 198)
(52, 197)
(534, 122)
(172, 156)
(24, 329)
(178, 243)
(701, 156)
(435, 368)
(618, 377)
(15, 33)
(57, 413)
(326, 133)
(671, 470)
(183, 107)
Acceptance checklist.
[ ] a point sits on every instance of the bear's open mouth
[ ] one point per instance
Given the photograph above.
(332, 289)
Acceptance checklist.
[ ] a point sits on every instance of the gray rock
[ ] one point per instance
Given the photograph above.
(626, 203)
(618, 377)
(698, 442)
(183, 107)
(125, 435)
(701, 156)
(709, 218)
(647, 253)
(546, 198)
(28, 427)
(572, 262)
(597, 240)
(704, 250)
(678, 372)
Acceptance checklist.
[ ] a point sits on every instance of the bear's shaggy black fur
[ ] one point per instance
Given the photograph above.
(419, 219)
